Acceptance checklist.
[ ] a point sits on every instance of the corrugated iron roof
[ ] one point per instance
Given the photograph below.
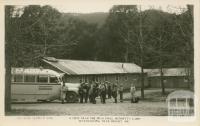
(167, 72)
(77, 67)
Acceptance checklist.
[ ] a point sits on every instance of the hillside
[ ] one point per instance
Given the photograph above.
(98, 17)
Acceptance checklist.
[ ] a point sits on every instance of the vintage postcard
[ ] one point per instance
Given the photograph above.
(100, 62)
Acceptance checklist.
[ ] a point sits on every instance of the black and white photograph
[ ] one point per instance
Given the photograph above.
(99, 60)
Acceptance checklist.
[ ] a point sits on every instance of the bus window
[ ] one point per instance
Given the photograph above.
(42, 79)
(29, 78)
(53, 79)
(18, 78)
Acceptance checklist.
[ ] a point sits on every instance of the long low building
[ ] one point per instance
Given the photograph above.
(172, 77)
(97, 71)
(115, 72)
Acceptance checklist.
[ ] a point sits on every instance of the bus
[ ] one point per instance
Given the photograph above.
(38, 84)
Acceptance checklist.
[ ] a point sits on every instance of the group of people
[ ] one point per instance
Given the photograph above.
(105, 90)
(91, 91)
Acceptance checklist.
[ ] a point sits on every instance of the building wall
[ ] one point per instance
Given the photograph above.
(169, 82)
(125, 79)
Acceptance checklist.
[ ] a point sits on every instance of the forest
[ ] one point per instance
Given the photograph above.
(149, 38)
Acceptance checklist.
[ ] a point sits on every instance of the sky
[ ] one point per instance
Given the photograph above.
(105, 7)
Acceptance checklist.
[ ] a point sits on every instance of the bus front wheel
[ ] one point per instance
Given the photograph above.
(71, 97)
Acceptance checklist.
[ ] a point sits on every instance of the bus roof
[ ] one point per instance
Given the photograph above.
(35, 71)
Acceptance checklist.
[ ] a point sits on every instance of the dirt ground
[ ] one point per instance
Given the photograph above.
(109, 109)
(153, 105)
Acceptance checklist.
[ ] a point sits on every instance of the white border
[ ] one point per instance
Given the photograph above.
(64, 120)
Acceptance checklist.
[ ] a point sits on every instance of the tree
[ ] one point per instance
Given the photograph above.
(150, 37)
(10, 37)
(185, 25)
(123, 22)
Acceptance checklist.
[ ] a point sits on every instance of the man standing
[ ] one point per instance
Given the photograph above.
(86, 90)
(91, 93)
(109, 90)
(81, 92)
(64, 90)
(114, 92)
(132, 91)
(102, 89)
(95, 93)
(121, 89)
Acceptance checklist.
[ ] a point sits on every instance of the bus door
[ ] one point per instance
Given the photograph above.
(55, 82)
(43, 87)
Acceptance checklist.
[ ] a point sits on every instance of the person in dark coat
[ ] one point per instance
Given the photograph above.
(93, 93)
(132, 91)
(109, 90)
(114, 92)
(86, 90)
(64, 90)
(81, 92)
(121, 89)
(102, 91)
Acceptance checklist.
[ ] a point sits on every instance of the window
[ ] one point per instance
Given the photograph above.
(80, 79)
(86, 79)
(53, 79)
(125, 77)
(105, 78)
(185, 80)
(29, 78)
(18, 78)
(65, 79)
(42, 79)
(96, 79)
(117, 77)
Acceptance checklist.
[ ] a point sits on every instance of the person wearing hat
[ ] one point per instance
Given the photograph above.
(109, 90)
(95, 93)
(114, 92)
(64, 90)
(102, 92)
(132, 91)
(121, 89)
(86, 90)
(91, 92)
(81, 92)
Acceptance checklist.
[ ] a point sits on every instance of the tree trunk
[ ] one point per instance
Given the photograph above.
(126, 54)
(162, 81)
(142, 82)
(7, 79)
(141, 55)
